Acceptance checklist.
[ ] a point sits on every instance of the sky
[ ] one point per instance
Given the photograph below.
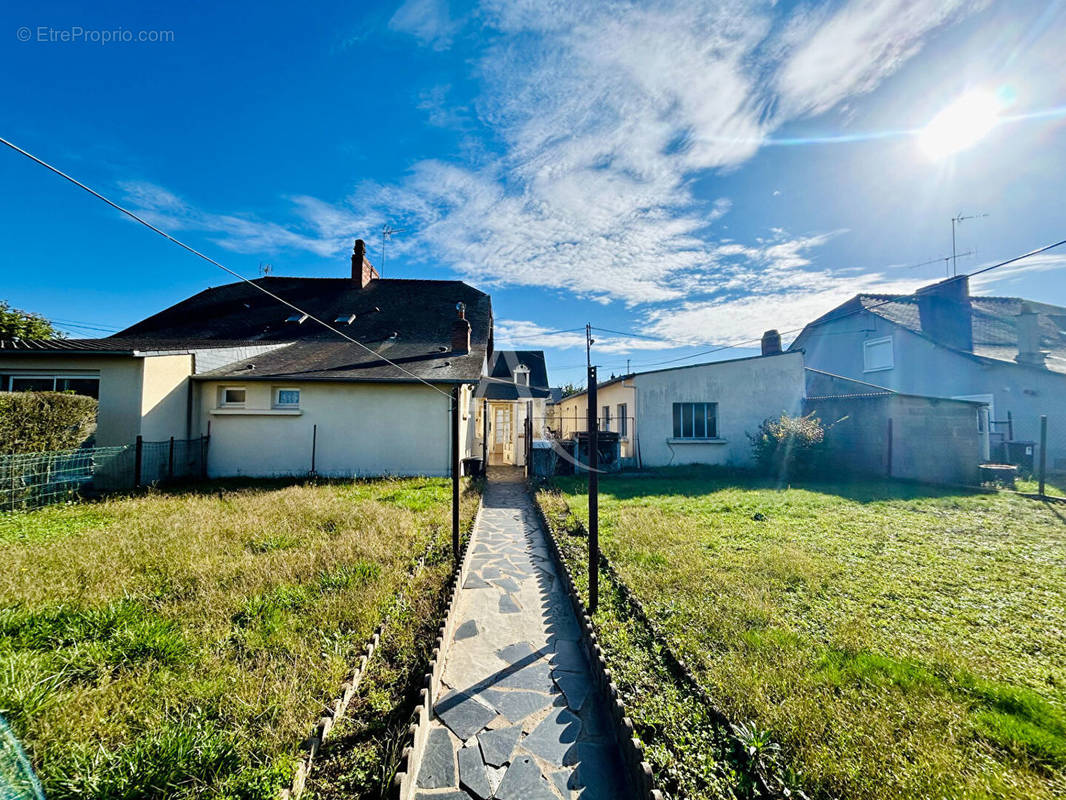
(680, 175)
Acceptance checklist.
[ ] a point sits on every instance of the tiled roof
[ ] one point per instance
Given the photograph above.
(501, 372)
(408, 321)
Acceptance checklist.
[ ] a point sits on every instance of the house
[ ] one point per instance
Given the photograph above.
(276, 390)
(1005, 352)
(514, 390)
(697, 414)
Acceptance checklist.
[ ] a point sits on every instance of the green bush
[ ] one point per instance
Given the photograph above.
(38, 422)
(789, 447)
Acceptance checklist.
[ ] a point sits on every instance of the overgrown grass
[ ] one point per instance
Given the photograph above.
(182, 643)
(895, 641)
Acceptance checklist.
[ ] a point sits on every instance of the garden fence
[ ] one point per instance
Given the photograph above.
(33, 480)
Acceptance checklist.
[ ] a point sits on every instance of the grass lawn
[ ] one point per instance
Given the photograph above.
(894, 641)
(183, 643)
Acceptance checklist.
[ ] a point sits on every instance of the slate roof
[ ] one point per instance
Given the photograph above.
(993, 320)
(407, 321)
(500, 384)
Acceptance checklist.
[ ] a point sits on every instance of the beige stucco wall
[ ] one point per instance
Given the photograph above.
(165, 397)
(363, 429)
(119, 418)
(573, 413)
(747, 392)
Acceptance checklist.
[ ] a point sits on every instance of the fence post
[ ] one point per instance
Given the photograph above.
(314, 447)
(203, 457)
(594, 494)
(1043, 452)
(170, 461)
(455, 472)
(1010, 428)
(138, 461)
(890, 447)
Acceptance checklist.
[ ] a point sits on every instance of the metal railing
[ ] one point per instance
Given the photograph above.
(32, 480)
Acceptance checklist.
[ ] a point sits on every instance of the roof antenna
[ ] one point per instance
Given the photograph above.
(265, 269)
(387, 232)
(957, 220)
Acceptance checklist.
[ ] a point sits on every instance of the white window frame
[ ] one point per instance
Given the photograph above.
(679, 435)
(223, 403)
(623, 420)
(521, 371)
(276, 392)
(55, 377)
(606, 417)
(866, 347)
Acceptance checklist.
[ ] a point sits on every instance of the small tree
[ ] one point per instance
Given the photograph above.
(788, 446)
(18, 324)
(38, 422)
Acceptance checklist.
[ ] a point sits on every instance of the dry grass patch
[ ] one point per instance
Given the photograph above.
(895, 641)
(182, 643)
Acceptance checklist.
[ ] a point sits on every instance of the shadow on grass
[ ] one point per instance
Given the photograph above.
(697, 480)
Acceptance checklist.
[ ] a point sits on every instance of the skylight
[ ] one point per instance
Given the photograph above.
(297, 318)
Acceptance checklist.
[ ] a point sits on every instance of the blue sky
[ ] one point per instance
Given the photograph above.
(653, 168)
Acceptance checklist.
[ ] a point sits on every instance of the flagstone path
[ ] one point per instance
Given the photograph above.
(517, 716)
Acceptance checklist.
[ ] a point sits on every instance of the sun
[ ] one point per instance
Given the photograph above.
(960, 125)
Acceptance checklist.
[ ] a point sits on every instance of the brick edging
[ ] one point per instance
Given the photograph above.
(403, 783)
(640, 772)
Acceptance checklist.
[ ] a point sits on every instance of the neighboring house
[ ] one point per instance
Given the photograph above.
(270, 384)
(515, 389)
(1005, 352)
(701, 413)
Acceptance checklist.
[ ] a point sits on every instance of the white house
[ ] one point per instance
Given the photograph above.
(514, 390)
(275, 389)
(698, 414)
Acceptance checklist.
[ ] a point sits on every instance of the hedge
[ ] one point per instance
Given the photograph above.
(37, 422)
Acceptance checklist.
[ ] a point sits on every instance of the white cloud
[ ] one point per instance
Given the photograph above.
(429, 21)
(526, 335)
(1005, 276)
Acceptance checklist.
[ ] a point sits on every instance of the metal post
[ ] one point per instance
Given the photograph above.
(485, 436)
(1010, 427)
(594, 495)
(455, 473)
(138, 461)
(314, 448)
(203, 456)
(1043, 451)
(890, 447)
(170, 460)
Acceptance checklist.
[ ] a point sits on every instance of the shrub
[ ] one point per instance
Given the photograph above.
(37, 422)
(788, 446)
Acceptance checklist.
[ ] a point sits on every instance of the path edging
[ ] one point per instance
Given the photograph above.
(631, 748)
(403, 784)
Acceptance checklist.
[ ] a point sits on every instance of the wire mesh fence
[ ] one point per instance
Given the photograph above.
(31, 480)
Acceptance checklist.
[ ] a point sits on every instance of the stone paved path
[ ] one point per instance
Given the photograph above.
(517, 717)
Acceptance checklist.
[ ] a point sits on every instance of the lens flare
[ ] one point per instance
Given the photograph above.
(962, 124)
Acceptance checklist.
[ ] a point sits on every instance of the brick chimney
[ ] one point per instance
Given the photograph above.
(362, 270)
(1027, 324)
(771, 343)
(461, 331)
(946, 314)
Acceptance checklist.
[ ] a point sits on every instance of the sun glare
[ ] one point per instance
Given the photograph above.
(960, 125)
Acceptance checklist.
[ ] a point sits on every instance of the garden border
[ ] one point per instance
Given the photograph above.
(403, 781)
(676, 666)
(334, 711)
(640, 772)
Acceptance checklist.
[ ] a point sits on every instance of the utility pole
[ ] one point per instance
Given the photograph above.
(958, 219)
(589, 341)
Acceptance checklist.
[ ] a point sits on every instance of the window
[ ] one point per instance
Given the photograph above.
(77, 384)
(606, 418)
(233, 396)
(623, 420)
(521, 375)
(877, 354)
(286, 398)
(695, 420)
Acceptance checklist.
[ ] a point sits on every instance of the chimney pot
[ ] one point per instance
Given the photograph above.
(1027, 324)
(362, 270)
(771, 343)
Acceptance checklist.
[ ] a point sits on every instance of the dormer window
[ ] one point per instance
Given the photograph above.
(521, 375)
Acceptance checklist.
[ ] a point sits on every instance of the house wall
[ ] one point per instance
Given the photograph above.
(747, 392)
(933, 440)
(573, 413)
(118, 420)
(363, 429)
(165, 388)
(924, 368)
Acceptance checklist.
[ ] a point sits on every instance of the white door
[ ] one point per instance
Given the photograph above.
(502, 451)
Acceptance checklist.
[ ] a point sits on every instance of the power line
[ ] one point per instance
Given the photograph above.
(542, 333)
(212, 261)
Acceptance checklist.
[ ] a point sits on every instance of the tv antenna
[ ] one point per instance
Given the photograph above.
(387, 232)
(958, 220)
(265, 269)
